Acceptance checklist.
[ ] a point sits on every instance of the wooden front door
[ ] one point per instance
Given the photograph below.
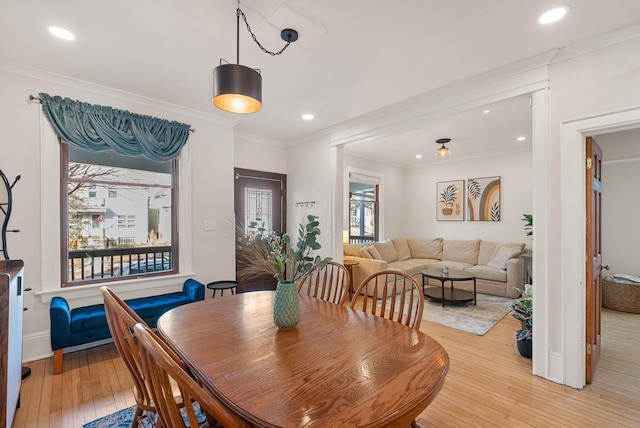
(594, 256)
(261, 195)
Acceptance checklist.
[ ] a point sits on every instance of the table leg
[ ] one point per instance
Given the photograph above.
(442, 281)
(474, 292)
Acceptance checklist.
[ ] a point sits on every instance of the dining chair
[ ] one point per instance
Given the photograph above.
(162, 369)
(392, 295)
(121, 319)
(331, 283)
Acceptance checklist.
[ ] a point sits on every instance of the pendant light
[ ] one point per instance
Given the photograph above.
(237, 88)
(443, 151)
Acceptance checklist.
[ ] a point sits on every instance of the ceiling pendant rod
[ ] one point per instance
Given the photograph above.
(238, 34)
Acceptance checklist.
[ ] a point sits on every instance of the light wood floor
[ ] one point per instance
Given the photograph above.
(488, 385)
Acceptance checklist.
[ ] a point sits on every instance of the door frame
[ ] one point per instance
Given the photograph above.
(573, 243)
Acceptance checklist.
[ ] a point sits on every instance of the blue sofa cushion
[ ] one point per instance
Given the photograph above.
(88, 317)
(154, 306)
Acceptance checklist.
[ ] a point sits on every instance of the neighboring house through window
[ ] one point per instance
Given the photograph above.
(119, 214)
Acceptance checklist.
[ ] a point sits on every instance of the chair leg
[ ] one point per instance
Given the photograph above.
(414, 424)
(57, 361)
(136, 417)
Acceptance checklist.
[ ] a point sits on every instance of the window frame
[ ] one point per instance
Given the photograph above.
(64, 227)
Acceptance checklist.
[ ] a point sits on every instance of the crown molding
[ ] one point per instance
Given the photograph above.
(239, 135)
(93, 88)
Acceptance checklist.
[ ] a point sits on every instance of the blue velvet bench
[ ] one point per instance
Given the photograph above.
(79, 326)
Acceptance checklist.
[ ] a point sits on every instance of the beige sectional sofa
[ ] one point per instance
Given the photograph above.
(497, 266)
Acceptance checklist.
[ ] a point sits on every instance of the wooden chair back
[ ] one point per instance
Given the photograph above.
(162, 368)
(330, 283)
(396, 296)
(121, 320)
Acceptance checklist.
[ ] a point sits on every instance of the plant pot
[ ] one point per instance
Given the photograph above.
(447, 211)
(525, 347)
(286, 306)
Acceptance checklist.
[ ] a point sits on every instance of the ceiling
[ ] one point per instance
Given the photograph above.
(353, 57)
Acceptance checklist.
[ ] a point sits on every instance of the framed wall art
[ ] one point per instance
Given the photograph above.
(483, 199)
(450, 200)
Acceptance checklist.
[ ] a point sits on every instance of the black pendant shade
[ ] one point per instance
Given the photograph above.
(237, 89)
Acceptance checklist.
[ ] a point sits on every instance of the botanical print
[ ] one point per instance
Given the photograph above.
(450, 196)
(483, 199)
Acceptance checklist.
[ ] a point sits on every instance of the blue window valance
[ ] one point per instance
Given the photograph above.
(98, 128)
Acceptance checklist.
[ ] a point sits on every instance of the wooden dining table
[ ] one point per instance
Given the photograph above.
(338, 367)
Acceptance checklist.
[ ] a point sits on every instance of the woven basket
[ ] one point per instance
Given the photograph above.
(620, 296)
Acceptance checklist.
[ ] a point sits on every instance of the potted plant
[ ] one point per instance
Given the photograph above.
(448, 198)
(265, 252)
(529, 226)
(522, 310)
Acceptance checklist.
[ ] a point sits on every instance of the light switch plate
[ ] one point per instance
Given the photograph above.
(209, 225)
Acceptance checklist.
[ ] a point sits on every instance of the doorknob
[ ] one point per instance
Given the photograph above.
(605, 267)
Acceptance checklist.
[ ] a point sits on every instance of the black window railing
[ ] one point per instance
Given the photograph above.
(362, 239)
(118, 262)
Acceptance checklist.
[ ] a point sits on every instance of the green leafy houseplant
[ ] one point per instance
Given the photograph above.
(522, 310)
(265, 252)
(529, 226)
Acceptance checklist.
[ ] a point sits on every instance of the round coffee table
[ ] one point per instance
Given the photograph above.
(222, 285)
(450, 294)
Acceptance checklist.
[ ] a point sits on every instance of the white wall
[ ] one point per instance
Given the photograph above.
(392, 195)
(309, 179)
(620, 201)
(515, 171)
(208, 159)
(582, 89)
(251, 153)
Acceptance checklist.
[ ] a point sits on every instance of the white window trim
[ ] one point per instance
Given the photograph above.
(50, 273)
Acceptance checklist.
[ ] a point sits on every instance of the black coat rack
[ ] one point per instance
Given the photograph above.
(6, 209)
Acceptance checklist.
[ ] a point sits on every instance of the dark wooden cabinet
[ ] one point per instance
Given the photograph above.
(11, 284)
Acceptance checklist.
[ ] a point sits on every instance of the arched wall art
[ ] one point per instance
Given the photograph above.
(483, 199)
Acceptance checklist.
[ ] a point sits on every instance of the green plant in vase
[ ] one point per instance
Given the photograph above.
(522, 310)
(263, 251)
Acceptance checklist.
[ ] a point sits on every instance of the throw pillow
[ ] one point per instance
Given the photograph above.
(426, 248)
(387, 251)
(364, 253)
(402, 248)
(372, 251)
(501, 255)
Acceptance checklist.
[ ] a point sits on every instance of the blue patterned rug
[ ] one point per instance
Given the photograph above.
(124, 418)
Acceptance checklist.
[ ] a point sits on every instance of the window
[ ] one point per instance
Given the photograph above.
(120, 215)
(363, 212)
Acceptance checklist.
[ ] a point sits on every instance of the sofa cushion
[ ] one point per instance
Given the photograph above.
(501, 255)
(461, 251)
(425, 248)
(352, 249)
(411, 266)
(87, 318)
(402, 248)
(386, 250)
(439, 264)
(486, 272)
(487, 248)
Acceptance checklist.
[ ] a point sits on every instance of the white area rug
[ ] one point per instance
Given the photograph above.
(467, 317)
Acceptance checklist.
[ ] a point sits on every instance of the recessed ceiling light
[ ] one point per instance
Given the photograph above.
(61, 33)
(553, 15)
(521, 138)
(486, 111)
(307, 116)
(418, 156)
